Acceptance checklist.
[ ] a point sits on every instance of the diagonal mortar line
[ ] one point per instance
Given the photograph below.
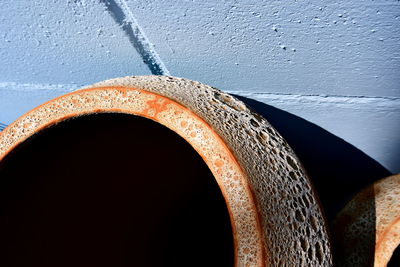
(123, 16)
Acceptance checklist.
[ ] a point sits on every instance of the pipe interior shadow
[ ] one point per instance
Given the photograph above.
(395, 259)
(111, 190)
(337, 169)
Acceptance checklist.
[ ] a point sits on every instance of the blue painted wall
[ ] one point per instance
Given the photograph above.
(333, 63)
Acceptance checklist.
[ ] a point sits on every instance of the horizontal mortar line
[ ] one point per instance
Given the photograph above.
(378, 102)
(372, 102)
(15, 86)
(33, 87)
(389, 98)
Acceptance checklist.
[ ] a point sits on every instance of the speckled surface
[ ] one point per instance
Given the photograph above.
(275, 215)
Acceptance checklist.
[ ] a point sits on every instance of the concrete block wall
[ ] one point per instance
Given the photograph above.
(333, 63)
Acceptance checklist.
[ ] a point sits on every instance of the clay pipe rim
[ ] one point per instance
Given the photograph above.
(216, 154)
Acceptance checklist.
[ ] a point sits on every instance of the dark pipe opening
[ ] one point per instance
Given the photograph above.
(111, 190)
(395, 259)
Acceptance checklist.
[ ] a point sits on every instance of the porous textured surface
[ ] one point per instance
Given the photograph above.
(354, 231)
(275, 215)
(367, 230)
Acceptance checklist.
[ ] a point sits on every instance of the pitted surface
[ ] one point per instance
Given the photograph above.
(293, 226)
(367, 230)
(263, 182)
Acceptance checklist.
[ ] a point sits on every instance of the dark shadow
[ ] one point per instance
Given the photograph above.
(395, 259)
(354, 238)
(111, 190)
(337, 169)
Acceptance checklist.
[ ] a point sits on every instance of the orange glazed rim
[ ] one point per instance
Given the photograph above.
(274, 213)
(168, 113)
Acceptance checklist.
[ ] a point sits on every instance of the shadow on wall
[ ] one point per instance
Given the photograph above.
(337, 169)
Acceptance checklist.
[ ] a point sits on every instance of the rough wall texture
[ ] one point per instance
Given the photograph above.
(334, 64)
